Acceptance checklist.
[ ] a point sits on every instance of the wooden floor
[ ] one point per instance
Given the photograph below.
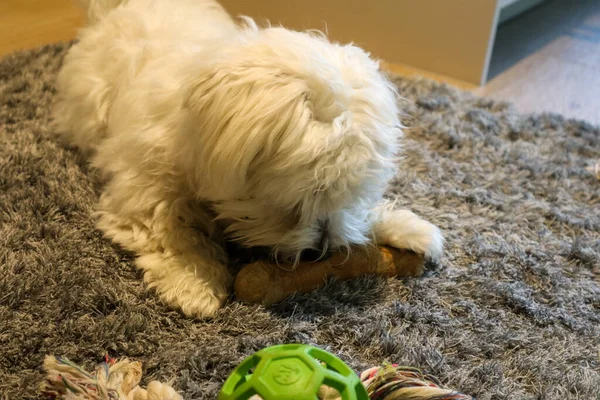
(30, 23)
(548, 59)
(545, 60)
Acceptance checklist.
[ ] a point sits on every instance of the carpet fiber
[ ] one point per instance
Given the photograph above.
(512, 312)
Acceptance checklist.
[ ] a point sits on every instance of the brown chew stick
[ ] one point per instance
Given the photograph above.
(266, 283)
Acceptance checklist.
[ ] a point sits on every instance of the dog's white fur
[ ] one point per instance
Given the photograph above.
(205, 130)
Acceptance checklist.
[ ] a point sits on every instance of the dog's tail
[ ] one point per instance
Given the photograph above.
(97, 9)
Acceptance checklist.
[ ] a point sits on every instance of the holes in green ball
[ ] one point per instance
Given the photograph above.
(329, 393)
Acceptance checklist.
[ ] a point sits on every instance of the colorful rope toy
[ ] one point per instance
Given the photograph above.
(292, 371)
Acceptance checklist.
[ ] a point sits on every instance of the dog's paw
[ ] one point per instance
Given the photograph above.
(201, 305)
(431, 242)
(195, 299)
(198, 289)
(403, 229)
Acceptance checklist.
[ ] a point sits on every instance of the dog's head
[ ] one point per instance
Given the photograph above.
(293, 139)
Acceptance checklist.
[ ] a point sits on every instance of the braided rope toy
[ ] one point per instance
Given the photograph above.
(393, 382)
(111, 380)
(114, 380)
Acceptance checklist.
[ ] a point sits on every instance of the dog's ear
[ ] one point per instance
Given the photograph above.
(299, 140)
(240, 119)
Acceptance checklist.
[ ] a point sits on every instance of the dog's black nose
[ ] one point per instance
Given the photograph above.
(312, 255)
(320, 252)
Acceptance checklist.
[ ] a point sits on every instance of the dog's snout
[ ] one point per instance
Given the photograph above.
(323, 243)
(320, 251)
(312, 255)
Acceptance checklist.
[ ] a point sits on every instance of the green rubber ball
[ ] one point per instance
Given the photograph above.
(291, 372)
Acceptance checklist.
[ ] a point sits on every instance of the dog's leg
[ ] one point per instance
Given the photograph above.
(180, 261)
(403, 229)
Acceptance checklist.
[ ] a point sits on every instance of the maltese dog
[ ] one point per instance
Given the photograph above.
(208, 131)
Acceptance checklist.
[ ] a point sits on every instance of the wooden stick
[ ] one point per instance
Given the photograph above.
(266, 283)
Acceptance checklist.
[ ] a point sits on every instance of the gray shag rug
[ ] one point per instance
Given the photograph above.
(512, 312)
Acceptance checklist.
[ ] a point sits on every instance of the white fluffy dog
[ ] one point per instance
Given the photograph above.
(207, 131)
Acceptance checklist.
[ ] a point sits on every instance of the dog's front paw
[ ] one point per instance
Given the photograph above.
(431, 243)
(194, 299)
(403, 229)
(202, 303)
(199, 291)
